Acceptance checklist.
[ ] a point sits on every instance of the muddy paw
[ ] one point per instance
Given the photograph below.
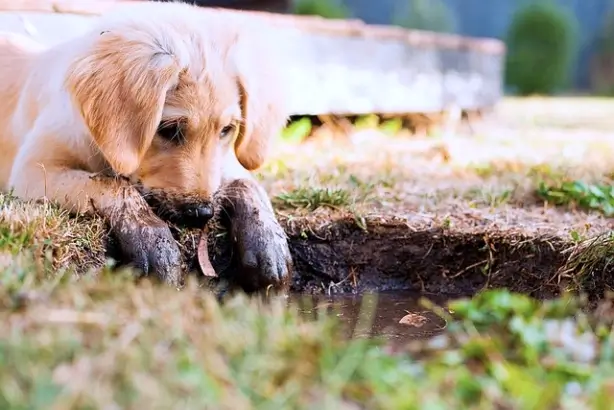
(263, 254)
(148, 244)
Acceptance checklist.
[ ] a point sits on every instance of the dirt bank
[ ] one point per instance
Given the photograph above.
(338, 255)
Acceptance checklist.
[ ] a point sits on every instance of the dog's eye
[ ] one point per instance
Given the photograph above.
(171, 131)
(227, 131)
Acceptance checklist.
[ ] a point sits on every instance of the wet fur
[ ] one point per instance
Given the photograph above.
(79, 121)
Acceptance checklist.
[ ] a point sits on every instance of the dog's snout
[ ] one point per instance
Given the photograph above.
(199, 214)
(180, 210)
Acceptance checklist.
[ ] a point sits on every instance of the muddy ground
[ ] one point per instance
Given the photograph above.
(399, 254)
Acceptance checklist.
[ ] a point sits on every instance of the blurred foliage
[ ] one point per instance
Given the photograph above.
(109, 343)
(605, 39)
(541, 48)
(580, 194)
(332, 9)
(297, 131)
(602, 64)
(429, 15)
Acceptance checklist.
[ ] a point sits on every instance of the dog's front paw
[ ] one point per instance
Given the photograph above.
(148, 244)
(263, 254)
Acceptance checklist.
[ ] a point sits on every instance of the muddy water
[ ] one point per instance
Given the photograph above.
(398, 317)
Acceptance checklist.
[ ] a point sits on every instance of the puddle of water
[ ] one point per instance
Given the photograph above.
(396, 316)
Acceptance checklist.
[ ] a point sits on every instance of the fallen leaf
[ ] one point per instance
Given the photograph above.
(413, 319)
(203, 255)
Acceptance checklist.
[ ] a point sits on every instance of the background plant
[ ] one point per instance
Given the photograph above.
(602, 62)
(429, 15)
(541, 48)
(598, 197)
(332, 9)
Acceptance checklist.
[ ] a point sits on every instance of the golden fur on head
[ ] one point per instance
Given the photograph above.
(138, 78)
(160, 93)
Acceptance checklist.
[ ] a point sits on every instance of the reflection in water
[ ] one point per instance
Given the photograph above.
(376, 315)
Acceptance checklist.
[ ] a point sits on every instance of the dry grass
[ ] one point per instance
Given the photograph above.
(486, 179)
(496, 169)
(49, 235)
(110, 343)
(569, 113)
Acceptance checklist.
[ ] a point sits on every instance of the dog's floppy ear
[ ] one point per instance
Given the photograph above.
(120, 88)
(262, 104)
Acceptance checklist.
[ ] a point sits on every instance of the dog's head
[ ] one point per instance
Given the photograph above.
(166, 102)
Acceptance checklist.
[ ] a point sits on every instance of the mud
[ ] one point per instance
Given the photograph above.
(340, 257)
(375, 315)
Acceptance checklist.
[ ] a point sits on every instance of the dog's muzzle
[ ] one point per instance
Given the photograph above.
(181, 210)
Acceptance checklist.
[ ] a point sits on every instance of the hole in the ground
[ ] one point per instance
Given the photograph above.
(338, 263)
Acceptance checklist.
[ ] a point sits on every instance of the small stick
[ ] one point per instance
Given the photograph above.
(203, 255)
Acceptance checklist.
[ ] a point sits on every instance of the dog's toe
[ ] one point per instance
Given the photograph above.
(152, 250)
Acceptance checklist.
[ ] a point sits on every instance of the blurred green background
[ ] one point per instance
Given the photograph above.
(567, 46)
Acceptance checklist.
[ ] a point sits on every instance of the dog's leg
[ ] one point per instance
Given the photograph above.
(144, 238)
(261, 243)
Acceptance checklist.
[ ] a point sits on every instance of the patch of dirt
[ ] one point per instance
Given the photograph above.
(391, 256)
(334, 255)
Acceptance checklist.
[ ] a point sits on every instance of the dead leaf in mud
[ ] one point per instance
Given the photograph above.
(413, 319)
(203, 255)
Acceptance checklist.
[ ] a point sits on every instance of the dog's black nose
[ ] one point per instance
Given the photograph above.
(198, 214)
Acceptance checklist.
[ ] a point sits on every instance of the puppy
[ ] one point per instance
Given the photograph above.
(159, 103)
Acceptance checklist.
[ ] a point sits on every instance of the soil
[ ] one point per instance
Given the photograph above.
(340, 257)
(390, 256)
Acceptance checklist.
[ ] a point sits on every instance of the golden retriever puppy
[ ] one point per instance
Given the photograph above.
(160, 104)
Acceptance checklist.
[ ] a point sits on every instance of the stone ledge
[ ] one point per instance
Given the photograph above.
(350, 27)
(343, 67)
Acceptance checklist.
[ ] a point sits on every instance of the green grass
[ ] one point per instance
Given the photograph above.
(49, 233)
(599, 197)
(314, 198)
(110, 342)
(102, 340)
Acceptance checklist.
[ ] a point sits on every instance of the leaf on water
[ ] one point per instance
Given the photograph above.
(413, 319)
(203, 255)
